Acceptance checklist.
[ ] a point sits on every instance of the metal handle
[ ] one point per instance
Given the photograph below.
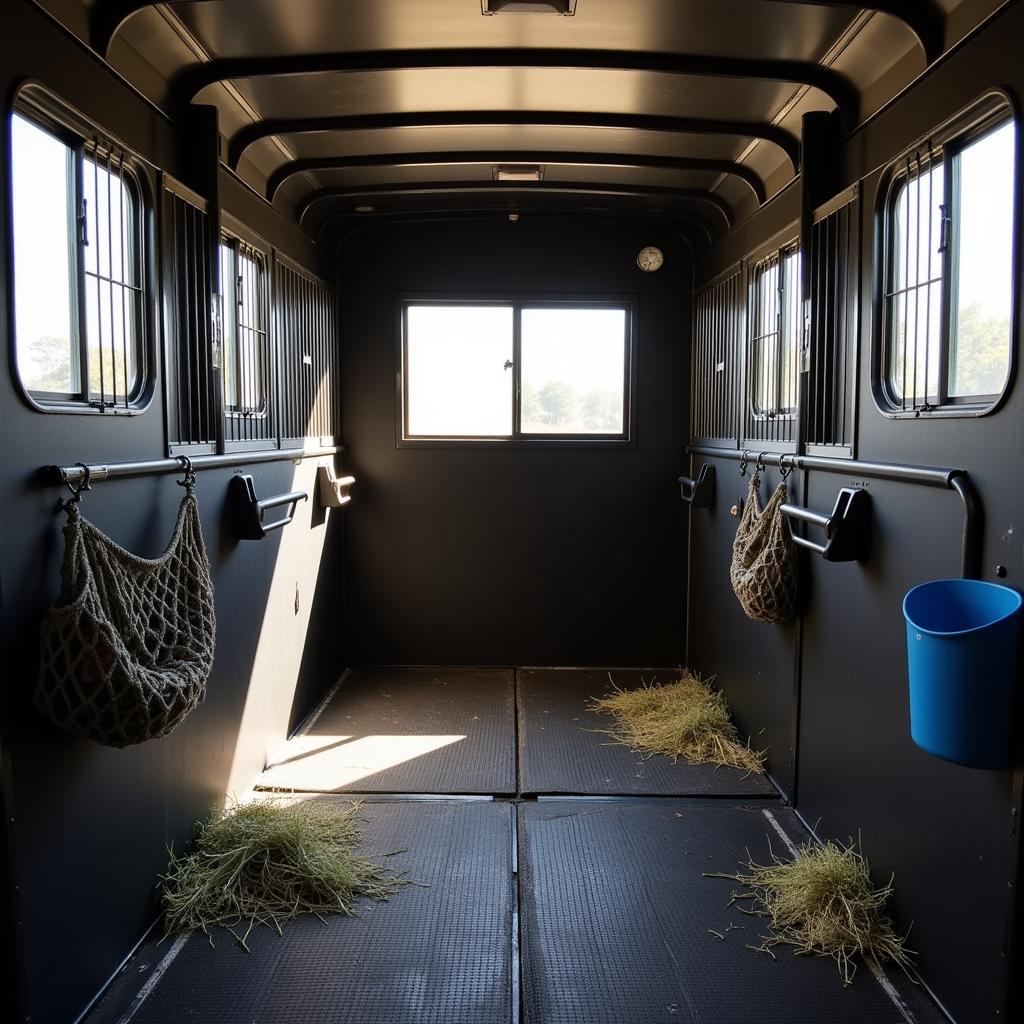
(847, 529)
(248, 510)
(699, 493)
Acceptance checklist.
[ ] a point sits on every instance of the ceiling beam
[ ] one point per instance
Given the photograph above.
(765, 131)
(490, 157)
(923, 17)
(447, 188)
(191, 80)
(674, 223)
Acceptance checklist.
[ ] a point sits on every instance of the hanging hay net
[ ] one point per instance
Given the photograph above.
(684, 719)
(763, 570)
(126, 651)
(268, 862)
(823, 902)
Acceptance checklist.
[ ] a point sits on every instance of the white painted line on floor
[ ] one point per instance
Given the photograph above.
(890, 990)
(884, 983)
(154, 979)
(790, 845)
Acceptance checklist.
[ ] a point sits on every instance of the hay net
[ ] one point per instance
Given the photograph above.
(126, 651)
(763, 570)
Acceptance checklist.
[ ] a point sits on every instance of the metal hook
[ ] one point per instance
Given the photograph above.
(190, 473)
(744, 458)
(783, 470)
(759, 466)
(76, 492)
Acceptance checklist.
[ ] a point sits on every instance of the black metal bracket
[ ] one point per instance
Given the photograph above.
(247, 510)
(847, 529)
(699, 493)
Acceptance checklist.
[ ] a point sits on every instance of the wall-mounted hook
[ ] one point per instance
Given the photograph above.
(333, 491)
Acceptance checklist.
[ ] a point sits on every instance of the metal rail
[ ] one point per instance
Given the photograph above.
(928, 476)
(57, 475)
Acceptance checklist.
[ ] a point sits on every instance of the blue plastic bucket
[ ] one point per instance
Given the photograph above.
(962, 645)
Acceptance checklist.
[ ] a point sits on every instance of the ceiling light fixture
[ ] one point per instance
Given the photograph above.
(566, 8)
(521, 172)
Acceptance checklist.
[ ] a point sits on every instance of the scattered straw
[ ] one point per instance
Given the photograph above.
(267, 862)
(685, 718)
(825, 903)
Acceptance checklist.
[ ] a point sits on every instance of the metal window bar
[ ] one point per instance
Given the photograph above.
(718, 333)
(835, 276)
(113, 293)
(309, 387)
(191, 423)
(915, 258)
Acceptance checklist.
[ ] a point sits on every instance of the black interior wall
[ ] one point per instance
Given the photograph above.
(948, 833)
(89, 826)
(514, 555)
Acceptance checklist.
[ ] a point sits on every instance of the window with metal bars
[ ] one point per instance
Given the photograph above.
(947, 318)
(306, 356)
(835, 274)
(80, 264)
(773, 355)
(246, 368)
(718, 331)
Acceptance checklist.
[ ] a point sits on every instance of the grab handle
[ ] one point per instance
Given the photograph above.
(248, 509)
(847, 529)
(699, 493)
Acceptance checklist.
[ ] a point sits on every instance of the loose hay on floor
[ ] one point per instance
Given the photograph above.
(825, 903)
(683, 719)
(268, 862)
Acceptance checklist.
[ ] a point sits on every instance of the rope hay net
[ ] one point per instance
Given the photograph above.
(763, 570)
(126, 651)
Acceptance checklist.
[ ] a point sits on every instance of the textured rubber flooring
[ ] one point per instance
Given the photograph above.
(437, 953)
(407, 731)
(563, 750)
(616, 916)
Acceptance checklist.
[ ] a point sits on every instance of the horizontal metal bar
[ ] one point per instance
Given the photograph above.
(806, 515)
(930, 476)
(56, 475)
(291, 498)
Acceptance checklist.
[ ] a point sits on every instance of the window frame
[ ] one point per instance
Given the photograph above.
(518, 439)
(233, 236)
(944, 145)
(51, 114)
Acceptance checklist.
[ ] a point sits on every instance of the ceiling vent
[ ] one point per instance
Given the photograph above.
(566, 8)
(517, 172)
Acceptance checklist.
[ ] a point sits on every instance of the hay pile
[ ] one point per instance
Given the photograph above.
(265, 863)
(825, 903)
(685, 718)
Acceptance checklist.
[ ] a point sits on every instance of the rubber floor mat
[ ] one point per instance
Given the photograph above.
(617, 918)
(407, 731)
(564, 748)
(439, 952)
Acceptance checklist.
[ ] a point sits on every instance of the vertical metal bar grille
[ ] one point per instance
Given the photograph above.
(718, 329)
(190, 374)
(916, 239)
(835, 279)
(113, 299)
(249, 419)
(773, 355)
(308, 357)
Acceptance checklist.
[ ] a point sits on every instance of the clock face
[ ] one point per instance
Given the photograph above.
(650, 258)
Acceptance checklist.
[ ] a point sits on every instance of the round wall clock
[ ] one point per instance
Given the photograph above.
(650, 258)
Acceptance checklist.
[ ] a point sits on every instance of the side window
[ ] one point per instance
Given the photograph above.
(947, 295)
(247, 371)
(80, 296)
(774, 347)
